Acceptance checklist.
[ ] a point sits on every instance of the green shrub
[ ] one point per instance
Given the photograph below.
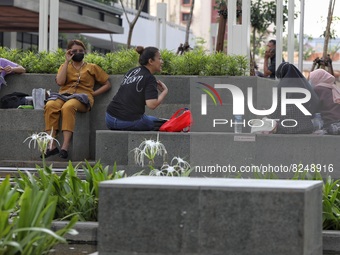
(96, 58)
(217, 64)
(25, 222)
(236, 66)
(119, 62)
(330, 196)
(331, 204)
(42, 62)
(167, 57)
(194, 62)
(189, 63)
(14, 55)
(75, 196)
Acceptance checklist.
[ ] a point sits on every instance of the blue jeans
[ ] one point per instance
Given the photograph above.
(146, 123)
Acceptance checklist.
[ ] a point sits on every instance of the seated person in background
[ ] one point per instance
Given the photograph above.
(139, 87)
(290, 76)
(329, 95)
(76, 79)
(9, 67)
(269, 64)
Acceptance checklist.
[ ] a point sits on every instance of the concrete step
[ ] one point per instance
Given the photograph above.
(227, 154)
(8, 167)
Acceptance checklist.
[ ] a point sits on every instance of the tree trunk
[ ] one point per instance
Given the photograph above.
(133, 22)
(328, 28)
(254, 43)
(221, 29)
(189, 23)
(252, 55)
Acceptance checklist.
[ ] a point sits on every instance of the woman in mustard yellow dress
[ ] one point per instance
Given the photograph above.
(76, 80)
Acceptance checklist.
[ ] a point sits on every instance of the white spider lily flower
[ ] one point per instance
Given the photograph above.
(34, 137)
(169, 170)
(156, 172)
(43, 139)
(182, 164)
(149, 149)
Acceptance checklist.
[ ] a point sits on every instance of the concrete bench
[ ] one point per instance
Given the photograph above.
(199, 216)
(227, 154)
(18, 124)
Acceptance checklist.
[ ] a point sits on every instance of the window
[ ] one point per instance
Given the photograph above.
(1, 39)
(145, 7)
(185, 16)
(102, 16)
(27, 41)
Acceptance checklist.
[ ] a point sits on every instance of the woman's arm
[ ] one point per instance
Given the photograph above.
(266, 71)
(153, 103)
(14, 69)
(62, 74)
(105, 87)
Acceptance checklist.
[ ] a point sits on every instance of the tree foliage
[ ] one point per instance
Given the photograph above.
(262, 16)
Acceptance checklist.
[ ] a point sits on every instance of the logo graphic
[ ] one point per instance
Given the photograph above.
(240, 101)
(204, 97)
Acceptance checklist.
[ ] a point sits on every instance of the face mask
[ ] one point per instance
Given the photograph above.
(78, 57)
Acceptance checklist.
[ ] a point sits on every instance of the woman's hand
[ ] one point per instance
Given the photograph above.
(161, 86)
(8, 69)
(269, 53)
(153, 103)
(13, 69)
(69, 55)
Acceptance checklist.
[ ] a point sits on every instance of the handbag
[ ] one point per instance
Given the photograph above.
(180, 121)
(13, 100)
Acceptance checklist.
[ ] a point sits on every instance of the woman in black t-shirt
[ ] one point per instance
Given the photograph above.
(139, 87)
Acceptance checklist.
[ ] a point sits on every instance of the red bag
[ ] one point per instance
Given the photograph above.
(179, 121)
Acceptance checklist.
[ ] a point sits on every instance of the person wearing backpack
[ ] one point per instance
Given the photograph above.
(139, 88)
(76, 79)
(9, 67)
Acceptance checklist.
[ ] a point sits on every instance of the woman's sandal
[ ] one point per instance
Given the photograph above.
(63, 154)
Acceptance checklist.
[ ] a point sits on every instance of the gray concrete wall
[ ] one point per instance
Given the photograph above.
(178, 97)
(174, 215)
(18, 124)
(227, 154)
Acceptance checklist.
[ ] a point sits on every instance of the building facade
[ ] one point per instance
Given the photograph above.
(204, 22)
(145, 30)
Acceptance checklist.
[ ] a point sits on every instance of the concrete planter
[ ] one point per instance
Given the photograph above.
(87, 231)
(88, 235)
(331, 241)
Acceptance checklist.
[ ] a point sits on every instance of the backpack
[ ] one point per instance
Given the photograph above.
(13, 100)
